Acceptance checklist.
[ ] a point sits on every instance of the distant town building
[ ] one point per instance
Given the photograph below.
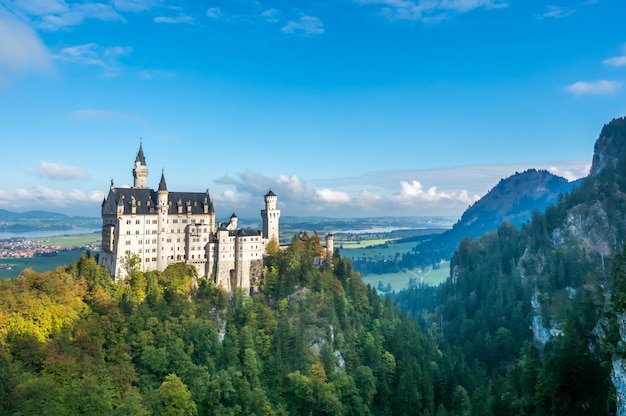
(162, 227)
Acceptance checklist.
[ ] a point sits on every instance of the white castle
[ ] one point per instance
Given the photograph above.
(162, 227)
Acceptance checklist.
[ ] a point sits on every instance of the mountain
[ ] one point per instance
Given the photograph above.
(512, 200)
(43, 220)
(539, 312)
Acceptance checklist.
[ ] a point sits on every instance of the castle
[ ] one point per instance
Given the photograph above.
(159, 228)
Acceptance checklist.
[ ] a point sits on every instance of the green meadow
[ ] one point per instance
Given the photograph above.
(400, 280)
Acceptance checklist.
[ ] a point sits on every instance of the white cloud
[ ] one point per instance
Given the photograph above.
(430, 11)
(305, 26)
(41, 197)
(594, 87)
(214, 12)
(570, 173)
(181, 18)
(556, 12)
(617, 60)
(271, 15)
(52, 170)
(21, 51)
(76, 14)
(92, 54)
(42, 7)
(333, 197)
(133, 5)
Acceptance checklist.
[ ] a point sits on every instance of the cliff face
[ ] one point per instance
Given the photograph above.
(610, 146)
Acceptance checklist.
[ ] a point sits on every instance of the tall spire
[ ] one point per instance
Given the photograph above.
(140, 171)
(162, 184)
(140, 157)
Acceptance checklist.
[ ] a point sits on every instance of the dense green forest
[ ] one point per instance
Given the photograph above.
(310, 340)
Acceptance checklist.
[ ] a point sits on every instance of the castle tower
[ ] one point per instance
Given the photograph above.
(140, 171)
(330, 246)
(270, 216)
(162, 207)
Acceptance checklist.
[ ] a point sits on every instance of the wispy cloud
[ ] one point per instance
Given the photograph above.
(51, 170)
(429, 10)
(92, 54)
(271, 15)
(617, 60)
(305, 26)
(75, 14)
(181, 18)
(214, 12)
(134, 5)
(21, 51)
(556, 12)
(559, 12)
(600, 87)
(150, 74)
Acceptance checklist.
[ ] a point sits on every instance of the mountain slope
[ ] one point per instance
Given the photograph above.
(541, 310)
(512, 200)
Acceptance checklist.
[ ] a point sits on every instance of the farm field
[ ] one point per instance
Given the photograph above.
(400, 280)
(373, 249)
(74, 240)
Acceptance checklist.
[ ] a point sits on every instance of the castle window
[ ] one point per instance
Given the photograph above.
(137, 232)
(154, 221)
(137, 222)
(127, 221)
(184, 221)
(127, 232)
(128, 242)
(175, 221)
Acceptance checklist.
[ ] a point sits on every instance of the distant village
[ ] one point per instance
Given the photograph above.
(19, 247)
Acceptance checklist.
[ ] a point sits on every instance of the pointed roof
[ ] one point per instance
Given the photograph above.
(140, 157)
(162, 184)
(233, 216)
(270, 193)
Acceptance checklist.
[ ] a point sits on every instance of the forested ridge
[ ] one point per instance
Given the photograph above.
(537, 312)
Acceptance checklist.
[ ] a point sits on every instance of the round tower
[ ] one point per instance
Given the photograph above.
(140, 171)
(162, 208)
(270, 216)
(330, 246)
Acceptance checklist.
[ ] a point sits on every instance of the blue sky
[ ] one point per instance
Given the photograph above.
(343, 108)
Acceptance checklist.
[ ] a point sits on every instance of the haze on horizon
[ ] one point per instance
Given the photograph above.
(349, 108)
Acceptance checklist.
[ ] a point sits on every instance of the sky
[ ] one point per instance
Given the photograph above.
(344, 108)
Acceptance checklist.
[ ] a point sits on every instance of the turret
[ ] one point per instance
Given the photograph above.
(330, 246)
(162, 207)
(140, 171)
(270, 216)
(233, 225)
